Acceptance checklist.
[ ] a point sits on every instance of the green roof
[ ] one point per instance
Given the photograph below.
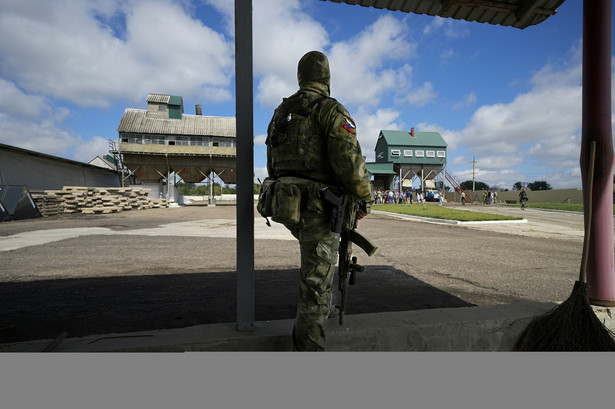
(403, 138)
(380, 168)
(175, 100)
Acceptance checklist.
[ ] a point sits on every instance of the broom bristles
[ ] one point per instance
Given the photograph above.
(571, 326)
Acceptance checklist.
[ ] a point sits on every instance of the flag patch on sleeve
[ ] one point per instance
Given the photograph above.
(350, 127)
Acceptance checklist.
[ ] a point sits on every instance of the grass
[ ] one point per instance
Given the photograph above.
(571, 207)
(440, 212)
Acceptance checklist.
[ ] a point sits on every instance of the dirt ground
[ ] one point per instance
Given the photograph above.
(102, 284)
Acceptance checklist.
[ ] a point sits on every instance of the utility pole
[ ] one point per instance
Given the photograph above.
(473, 173)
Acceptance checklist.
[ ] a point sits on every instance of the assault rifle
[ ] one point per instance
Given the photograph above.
(347, 265)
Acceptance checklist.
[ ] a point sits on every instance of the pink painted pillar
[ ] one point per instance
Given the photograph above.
(597, 127)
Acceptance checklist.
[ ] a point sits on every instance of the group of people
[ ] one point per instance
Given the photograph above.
(395, 197)
(406, 196)
(489, 197)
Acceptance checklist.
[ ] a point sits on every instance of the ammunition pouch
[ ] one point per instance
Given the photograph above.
(265, 197)
(280, 201)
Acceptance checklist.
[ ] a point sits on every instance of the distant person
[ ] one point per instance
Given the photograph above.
(523, 198)
(463, 198)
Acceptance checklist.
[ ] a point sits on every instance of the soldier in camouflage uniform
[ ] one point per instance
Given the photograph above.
(312, 144)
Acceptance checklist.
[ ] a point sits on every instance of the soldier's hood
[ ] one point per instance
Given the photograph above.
(313, 69)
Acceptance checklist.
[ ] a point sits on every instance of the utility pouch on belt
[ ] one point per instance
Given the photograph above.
(286, 203)
(265, 197)
(280, 201)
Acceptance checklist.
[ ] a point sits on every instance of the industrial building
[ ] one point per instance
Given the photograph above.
(40, 171)
(407, 155)
(403, 156)
(161, 143)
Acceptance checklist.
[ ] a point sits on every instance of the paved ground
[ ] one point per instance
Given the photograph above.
(172, 268)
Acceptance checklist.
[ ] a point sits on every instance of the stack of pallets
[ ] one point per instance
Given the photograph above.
(90, 200)
(49, 204)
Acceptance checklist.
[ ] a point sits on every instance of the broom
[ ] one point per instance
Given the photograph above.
(572, 325)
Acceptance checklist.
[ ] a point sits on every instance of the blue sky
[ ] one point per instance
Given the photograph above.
(510, 98)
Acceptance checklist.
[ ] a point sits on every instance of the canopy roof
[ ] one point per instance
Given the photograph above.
(512, 13)
(404, 138)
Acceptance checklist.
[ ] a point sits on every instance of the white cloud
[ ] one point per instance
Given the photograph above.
(468, 101)
(369, 125)
(72, 50)
(361, 69)
(259, 140)
(283, 33)
(85, 151)
(446, 56)
(260, 173)
(43, 136)
(16, 103)
(422, 95)
(449, 27)
(535, 136)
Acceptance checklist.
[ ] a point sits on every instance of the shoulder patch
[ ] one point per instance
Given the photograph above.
(347, 122)
(349, 126)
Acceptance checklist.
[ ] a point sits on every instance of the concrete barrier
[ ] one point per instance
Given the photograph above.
(484, 328)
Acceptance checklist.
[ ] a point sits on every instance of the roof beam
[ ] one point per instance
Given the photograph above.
(525, 10)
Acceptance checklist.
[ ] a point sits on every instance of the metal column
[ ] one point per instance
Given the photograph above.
(597, 127)
(245, 165)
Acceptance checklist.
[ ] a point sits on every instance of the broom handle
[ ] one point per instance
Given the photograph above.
(588, 218)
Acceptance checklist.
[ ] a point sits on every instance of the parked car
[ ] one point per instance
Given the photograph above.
(432, 196)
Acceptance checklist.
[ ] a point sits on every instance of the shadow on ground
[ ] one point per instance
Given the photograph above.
(87, 306)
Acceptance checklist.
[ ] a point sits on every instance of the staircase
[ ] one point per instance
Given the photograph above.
(459, 188)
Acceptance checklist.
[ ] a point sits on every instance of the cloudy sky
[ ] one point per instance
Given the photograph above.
(509, 98)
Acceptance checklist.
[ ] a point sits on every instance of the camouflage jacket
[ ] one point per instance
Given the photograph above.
(333, 154)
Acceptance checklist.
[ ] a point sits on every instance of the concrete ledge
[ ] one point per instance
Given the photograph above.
(485, 328)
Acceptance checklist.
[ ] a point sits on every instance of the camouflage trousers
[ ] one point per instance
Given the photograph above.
(319, 248)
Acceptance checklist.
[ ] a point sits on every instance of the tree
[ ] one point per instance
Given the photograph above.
(539, 185)
(479, 185)
(518, 186)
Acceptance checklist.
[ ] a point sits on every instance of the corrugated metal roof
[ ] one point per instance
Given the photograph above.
(159, 98)
(137, 121)
(403, 138)
(513, 13)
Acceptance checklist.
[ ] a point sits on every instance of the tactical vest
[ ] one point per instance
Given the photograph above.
(297, 148)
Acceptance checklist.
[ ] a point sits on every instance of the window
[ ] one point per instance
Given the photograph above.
(395, 152)
(419, 154)
(182, 140)
(431, 154)
(162, 108)
(197, 141)
(157, 140)
(408, 152)
(228, 142)
(441, 154)
(381, 155)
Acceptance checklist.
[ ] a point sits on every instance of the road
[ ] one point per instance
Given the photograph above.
(165, 268)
